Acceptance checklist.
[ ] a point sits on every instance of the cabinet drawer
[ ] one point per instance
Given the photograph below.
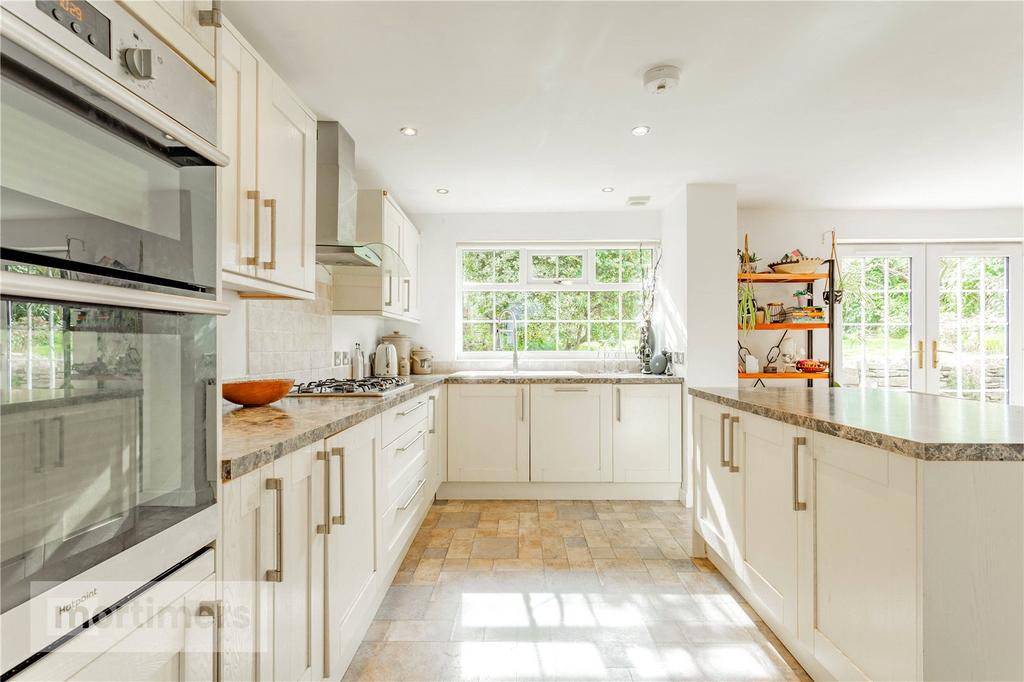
(399, 521)
(403, 459)
(401, 418)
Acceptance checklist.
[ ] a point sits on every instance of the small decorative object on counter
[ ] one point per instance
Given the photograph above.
(385, 360)
(358, 365)
(668, 363)
(422, 360)
(751, 364)
(256, 393)
(795, 263)
(403, 346)
(658, 364)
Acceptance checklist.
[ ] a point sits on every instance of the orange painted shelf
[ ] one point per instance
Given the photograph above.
(790, 325)
(784, 375)
(779, 278)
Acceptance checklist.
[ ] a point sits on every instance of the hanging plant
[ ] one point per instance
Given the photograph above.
(834, 294)
(746, 307)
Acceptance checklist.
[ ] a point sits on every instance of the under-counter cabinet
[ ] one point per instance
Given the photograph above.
(488, 432)
(186, 25)
(272, 566)
(388, 291)
(570, 432)
(719, 506)
(647, 433)
(267, 192)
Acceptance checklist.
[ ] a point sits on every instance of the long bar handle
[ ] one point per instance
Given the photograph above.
(214, 609)
(522, 405)
(797, 504)
(390, 300)
(732, 444)
(935, 353)
(254, 259)
(721, 439)
(920, 353)
(276, 574)
(325, 527)
(433, 413)
(339, 520)
(412, 409)
(272, 205)
(571, 390)
(408, 295)
(419, 434)
(618, 404)
(416, 492)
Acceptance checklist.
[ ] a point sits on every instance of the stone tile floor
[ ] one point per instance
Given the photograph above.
(564, 590)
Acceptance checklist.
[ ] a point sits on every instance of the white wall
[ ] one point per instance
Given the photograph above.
(774, 232)
(442, 232)
(670, 308)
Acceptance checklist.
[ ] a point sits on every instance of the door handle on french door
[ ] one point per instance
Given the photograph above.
(276, 574)
(325, 527)
(935, 353)
(920, 353)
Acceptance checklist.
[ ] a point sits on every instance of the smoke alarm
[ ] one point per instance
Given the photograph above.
(659, 79)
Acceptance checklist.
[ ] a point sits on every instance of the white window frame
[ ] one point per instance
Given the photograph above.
(527, 284)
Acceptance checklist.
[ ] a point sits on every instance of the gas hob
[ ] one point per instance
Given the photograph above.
(370, 387)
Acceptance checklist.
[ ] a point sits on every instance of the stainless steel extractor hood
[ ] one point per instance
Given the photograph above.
(337, 238)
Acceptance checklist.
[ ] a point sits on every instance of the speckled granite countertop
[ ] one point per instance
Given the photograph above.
(255, 436)
(917, 425)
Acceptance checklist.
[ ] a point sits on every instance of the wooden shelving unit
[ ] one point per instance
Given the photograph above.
(809, 327)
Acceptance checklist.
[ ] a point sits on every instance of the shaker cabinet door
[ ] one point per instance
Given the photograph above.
(489, 434)
(647, 432)
(570, 433)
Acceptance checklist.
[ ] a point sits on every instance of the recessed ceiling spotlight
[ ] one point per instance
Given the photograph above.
(407, 131)
(640, 131)
(442, 190)
(607, 189)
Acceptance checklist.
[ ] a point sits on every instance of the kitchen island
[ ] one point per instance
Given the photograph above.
(881, 535)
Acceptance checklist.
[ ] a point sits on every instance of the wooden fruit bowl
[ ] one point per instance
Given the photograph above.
(804, 266)
(258, 392)
(811, 366)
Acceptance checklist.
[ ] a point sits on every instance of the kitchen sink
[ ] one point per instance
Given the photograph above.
(510, 373)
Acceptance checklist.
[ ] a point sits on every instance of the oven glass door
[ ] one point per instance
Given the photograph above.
(106, 416)
(89, 188)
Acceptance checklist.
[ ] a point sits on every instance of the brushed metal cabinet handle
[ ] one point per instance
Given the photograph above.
(408, 295)
(618, 404)
(419, 434)
(276, 574)
(254, 259)
(721, 439)
(522, 405)
(339, 520)
(411, 409)
(272, 205)
(214, 609)
(390, 300)
(732, 444)
(412, 497)
(325, 527)
(571, 390)
(797, 504)
(433, 413)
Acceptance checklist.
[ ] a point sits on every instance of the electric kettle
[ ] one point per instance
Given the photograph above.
(385, 361)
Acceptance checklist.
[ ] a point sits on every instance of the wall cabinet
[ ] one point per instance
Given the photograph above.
(489, 440)
(570, 433)
(267, 208)
(178, 22)
(385, 291)
(647, 433)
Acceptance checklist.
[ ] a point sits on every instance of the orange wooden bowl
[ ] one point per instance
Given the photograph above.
(258, 392)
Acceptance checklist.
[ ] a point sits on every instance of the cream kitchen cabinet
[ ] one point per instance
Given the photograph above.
(349, 529)
(489, 441)
(647, 433)
(437, 436)
(185, 26)
(570, 432)
(719, 504)
(388, 291)
(272, 562)
(267, 198)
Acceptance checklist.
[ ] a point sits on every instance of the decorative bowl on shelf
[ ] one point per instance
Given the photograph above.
(801, 266)
(811, 366)
(258, 392)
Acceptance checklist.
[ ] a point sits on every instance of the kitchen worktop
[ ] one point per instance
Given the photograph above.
(917, 425)
(256, 436)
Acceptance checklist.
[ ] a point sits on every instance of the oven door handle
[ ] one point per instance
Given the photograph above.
(17, 31)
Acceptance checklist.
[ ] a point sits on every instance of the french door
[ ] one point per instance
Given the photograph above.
(937, 318)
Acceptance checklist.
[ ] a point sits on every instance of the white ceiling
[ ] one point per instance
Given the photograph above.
(528, 106)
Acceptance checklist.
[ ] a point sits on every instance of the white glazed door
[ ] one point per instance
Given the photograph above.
(489, 439)
(647, 434)
(287, 167)
(351, 557)
(239, 201)
(570, 433)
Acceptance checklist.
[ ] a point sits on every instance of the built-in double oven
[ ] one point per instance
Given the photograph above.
(108, 281)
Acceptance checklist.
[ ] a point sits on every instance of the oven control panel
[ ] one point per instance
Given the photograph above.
(82, 20)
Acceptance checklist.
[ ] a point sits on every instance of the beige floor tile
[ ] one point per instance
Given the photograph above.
(455, 565)
(480, 565)
(494, 548)
(458, 520)
(460, 549)
(419, 631)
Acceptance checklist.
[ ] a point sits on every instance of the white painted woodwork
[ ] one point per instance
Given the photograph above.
(769, 552)
(720, 503)
(350, 565)
(399, 419)
(488, 432)
(404, 457)
(570, 432)
(287, 172)
(177, 22)
(400, 522)
(534, 490)
(437, 436)
(647, 433)
(381, 291)
(237, 97)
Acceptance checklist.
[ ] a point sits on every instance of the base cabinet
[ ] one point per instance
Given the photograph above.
(719, 503)
(489, 441)
(648, 433)
(570, 433)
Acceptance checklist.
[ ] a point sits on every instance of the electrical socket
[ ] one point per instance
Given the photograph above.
(678, 357)
(341, 358)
